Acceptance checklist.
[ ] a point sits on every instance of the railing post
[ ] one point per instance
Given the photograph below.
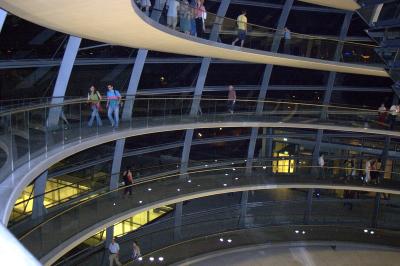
(39, 189)
(3, 15)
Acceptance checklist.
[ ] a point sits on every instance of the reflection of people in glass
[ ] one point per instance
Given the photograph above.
(287, 36)
(113, 99)
(145, 5)
(242, 28)
(94, 99)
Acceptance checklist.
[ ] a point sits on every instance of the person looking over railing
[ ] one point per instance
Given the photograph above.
(241, 28)
(185, 16)
(200, 17)
(172, 14)
(287, 36)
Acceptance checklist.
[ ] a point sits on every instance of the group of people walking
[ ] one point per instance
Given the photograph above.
(113, 103)
(371, 171)
(114, 249)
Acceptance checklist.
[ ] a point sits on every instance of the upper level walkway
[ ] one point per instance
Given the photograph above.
(122, 23)
(83, 220)
(48, 141)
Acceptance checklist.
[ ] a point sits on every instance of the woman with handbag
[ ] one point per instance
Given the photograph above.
(94, 98)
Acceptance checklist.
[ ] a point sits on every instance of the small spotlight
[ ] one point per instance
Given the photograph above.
(303, 232)
(149, 189)
(199, 134)
(225, 185)
(372, 232)
(140, 259)
(236, 178)
(114, 203)
(161, 259)
(296, 231)
(226, 174)
(245, 160)
(215, 160)
(220, 128)
(264, 167)
(229, 240)
(189, 181)
(178, 189)
(365, 230)
(151, 259)
(221, 240)
(284, 139)
(234, 169)
(140, 202)
(233, 163)
(206, 165)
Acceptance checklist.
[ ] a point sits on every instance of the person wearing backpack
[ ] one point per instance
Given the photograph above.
(94, 99)
(113, 99)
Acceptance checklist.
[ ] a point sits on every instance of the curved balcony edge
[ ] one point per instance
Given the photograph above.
(13, 185)
(66, 246)
(103, 29)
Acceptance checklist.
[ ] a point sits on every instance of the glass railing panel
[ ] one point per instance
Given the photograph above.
(263, 38)
(219, 223)
(88, 213)
(48, 127)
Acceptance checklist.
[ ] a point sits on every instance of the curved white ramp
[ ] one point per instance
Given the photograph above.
(120, 22)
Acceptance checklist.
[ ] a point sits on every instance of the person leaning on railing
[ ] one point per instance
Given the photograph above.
(185, 16)
(200, 17)
(172, 15)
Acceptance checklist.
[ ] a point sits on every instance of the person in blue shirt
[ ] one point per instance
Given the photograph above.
(287, 35)
(113, 99)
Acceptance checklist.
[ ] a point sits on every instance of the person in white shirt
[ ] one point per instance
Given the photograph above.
(321, 163)
(381, 114)
(172, 14)
(136, 251)
(392, 115)
(113, 248)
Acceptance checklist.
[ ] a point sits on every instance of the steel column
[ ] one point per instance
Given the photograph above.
(263, 91)
(327, 98)
(137, 70)
(3, 15)
(62, 79)
(205, 65)
(39, 189)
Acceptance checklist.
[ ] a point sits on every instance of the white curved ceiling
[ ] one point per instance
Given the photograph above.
(350, 5)
(120, 22)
